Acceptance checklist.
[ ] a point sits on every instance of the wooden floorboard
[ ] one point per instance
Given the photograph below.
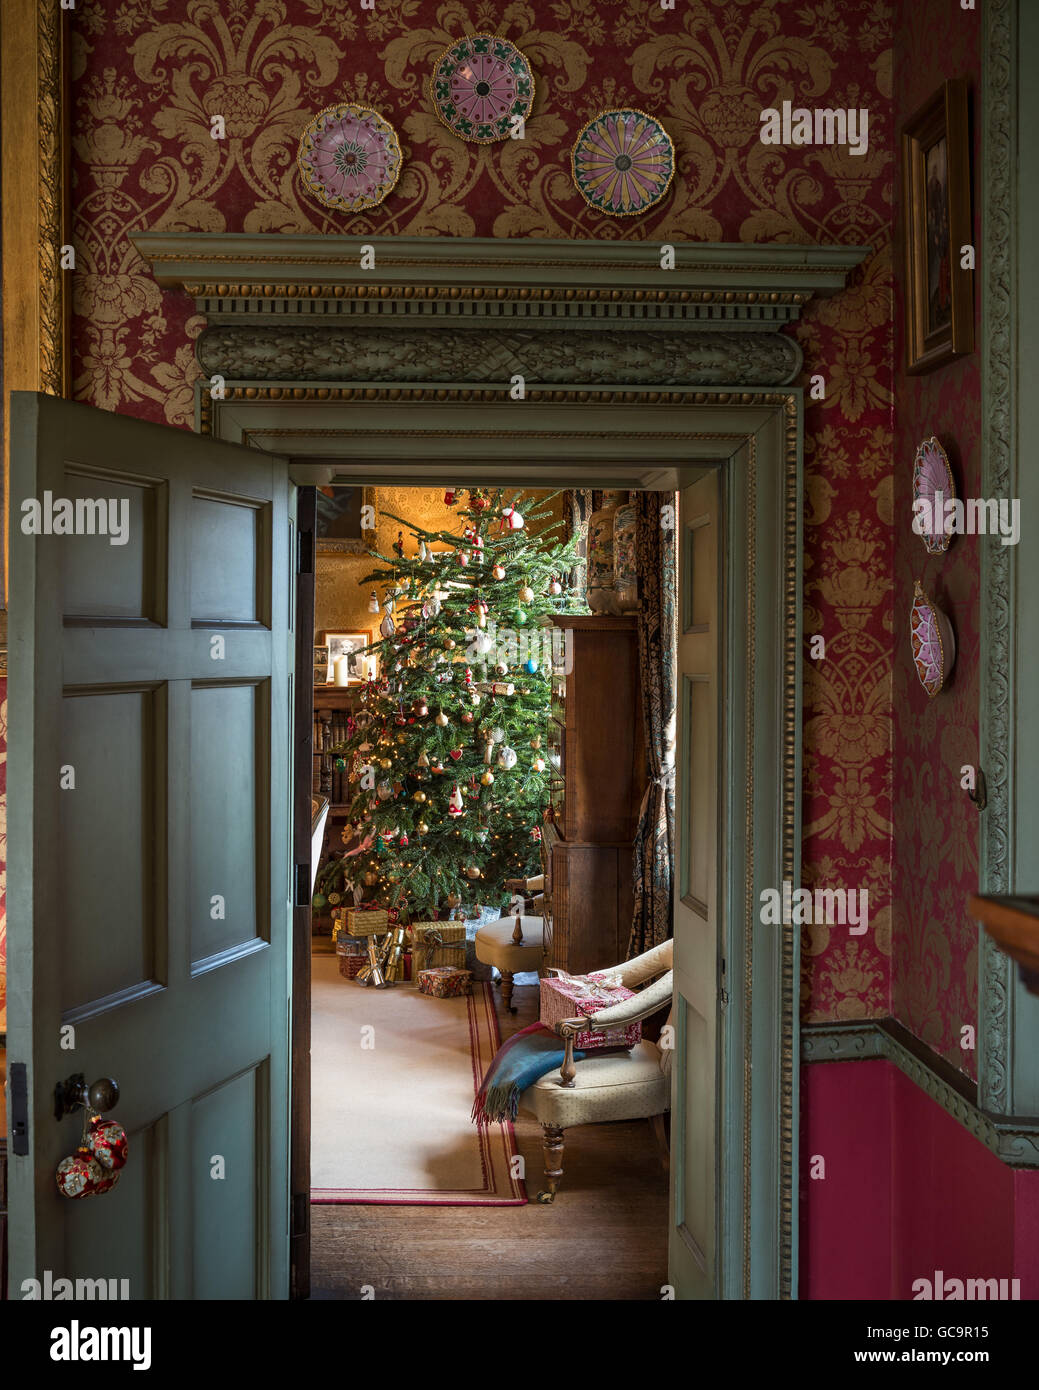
(604, 1238)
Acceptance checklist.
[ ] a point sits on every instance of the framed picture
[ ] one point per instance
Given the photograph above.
(936, 188)
(345, 520)
(350, 645)
(322, 670)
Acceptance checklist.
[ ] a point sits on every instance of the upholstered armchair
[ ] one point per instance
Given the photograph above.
(607, 1086)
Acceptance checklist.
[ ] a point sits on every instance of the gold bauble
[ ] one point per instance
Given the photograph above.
(487, 778)
(442, 719)
(453, 899)
(449, 644)
(472, 872)
(402, 738)
(422, 827)
(535, 742)
(418, 796)
(385, 763)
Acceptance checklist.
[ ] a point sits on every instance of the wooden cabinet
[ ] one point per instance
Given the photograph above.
(598, 741)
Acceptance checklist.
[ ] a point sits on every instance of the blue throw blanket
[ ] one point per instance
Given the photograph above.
(517, 1064)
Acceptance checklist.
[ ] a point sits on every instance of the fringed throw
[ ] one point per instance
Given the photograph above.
(517, 1064)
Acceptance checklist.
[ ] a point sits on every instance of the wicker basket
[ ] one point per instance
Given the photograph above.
(350, 962)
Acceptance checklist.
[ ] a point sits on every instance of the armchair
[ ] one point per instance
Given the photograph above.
(607, 1086)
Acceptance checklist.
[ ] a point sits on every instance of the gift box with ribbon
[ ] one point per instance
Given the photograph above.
(444, 982)
(587, 994)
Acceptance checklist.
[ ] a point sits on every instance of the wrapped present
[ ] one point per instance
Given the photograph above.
(364, 920)
(444, 982)
(587, 994)
(436, 943)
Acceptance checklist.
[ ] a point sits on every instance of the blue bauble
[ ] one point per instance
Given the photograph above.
(530, 665)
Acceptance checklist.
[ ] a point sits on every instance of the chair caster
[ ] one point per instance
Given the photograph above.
(546, 1199)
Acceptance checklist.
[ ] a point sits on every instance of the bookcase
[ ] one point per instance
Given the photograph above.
(597, 749)
(333, 705)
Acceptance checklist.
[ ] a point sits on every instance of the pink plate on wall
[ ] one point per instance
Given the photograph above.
(934, 647)
(932, 482)
(349, 157)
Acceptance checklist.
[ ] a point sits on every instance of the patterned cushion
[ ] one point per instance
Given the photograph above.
(618, 1086)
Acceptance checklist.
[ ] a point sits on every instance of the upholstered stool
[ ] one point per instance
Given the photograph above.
(513, 944)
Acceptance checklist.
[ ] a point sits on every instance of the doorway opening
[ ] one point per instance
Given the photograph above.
(481, 769)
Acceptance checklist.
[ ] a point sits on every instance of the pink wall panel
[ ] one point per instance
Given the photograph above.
(846, 1216)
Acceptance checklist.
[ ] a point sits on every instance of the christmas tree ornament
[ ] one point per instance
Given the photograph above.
(498, 572)
(403, 842)
(520, 617)
(475, 697)
(449, 497)
(539, 764)
(421, 708)
(385, 764)
(438, 766)
(503, 688)
(487, 778)
(530, 665)
(319, 901)
(384, 791)
(454, 805)
(453, 899)
(484, 644)
(419, 796)
(513, 518)
(498, 735)
(488, 751)
(554, 586)
(471, 871)
(501, 669)
(423, 758)
(370, 879)
(398, 544)
(386, 627)
(422, 552)
(402, 738)
(106, 1140)
(467, 716)
(478, 500)
(79, 1175)
(526, 593)
(373, 602)
(422, 828)
(462, 556)
(535, 742)
(455, 753)
(442, 720)
(507, 757)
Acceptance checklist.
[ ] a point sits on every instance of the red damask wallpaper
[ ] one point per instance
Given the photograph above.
(935, 976)
(148, 74)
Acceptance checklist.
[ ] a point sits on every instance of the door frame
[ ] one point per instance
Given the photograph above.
(757, 438)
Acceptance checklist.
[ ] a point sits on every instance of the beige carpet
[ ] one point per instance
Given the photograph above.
(391, 1120)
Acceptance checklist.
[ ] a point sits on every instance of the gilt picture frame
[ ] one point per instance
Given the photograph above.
(341, 521)
(350, 645)
(937, 230)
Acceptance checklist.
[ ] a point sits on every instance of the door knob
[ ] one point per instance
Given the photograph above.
(101, 1095)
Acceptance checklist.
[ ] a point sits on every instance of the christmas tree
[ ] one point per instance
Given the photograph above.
(450, 758)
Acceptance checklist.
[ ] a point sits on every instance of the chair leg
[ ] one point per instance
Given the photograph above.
(506, 990)
(552, 1143)
(656, 1124)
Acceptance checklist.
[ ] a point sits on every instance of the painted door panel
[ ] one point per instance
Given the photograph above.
(149, 896)
(694, 1118)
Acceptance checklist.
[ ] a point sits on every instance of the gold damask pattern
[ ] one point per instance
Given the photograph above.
(150, 74)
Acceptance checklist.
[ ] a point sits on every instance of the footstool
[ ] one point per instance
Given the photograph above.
(513, 944)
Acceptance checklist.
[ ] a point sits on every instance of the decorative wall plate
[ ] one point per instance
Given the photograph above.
(931, 475)
(623, 162)
(349, 157)
(479, 86)
(934, 647)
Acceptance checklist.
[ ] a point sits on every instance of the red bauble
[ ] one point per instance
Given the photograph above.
(107, 1142)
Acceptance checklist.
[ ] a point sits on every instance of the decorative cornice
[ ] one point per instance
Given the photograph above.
(1014, 1141)
(996, 661)
(457, 265)
(261, 352)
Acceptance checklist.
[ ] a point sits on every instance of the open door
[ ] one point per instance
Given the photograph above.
(150, 864)
(698, 961)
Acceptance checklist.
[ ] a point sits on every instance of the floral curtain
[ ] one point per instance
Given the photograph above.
(657, 558)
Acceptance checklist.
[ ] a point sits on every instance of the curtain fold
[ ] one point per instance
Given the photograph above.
(657, 557)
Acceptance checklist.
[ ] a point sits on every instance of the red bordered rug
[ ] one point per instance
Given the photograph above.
(393, 1078)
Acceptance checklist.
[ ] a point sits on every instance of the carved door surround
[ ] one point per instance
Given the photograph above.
(634, 376)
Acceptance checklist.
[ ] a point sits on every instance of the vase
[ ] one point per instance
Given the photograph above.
(602, 596)
(625, 566)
